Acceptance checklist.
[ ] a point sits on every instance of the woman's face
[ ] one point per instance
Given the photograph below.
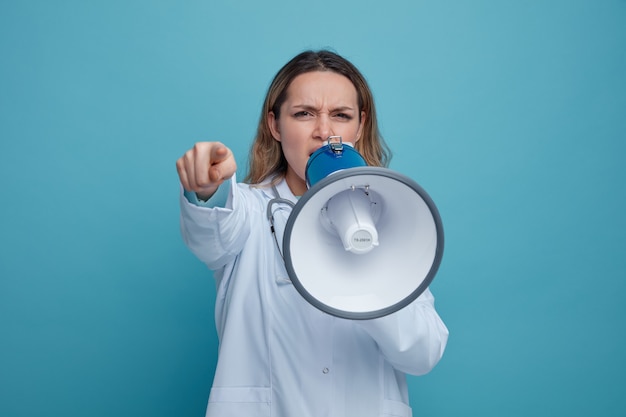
(319, 104)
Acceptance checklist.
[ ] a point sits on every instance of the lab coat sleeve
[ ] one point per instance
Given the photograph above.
(215, 235)
(412, 339)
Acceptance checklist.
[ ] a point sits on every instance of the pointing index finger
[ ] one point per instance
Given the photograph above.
(218, 154)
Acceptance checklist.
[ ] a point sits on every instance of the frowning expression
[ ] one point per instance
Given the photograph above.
(318, 104)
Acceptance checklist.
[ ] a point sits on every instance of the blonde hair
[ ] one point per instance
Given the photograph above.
(266, 156)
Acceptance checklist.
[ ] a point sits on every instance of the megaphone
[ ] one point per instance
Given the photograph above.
(362, 242)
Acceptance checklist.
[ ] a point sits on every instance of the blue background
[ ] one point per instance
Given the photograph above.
(512, 114)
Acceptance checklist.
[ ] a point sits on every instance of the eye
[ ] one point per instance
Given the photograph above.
(343, 116)
(302, 114)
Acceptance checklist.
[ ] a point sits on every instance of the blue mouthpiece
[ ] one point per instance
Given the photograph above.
(332, 157)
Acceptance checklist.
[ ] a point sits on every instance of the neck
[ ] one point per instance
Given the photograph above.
(296, 184)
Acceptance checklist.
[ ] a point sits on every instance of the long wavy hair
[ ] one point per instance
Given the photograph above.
(266, 157)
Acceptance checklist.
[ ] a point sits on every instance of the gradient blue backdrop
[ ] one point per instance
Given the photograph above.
(512, 114)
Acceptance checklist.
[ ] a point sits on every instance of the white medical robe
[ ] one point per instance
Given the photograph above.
(278, 355)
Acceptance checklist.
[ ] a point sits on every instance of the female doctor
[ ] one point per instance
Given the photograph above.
(278, 355)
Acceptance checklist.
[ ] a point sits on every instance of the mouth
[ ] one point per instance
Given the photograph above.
(315, 150)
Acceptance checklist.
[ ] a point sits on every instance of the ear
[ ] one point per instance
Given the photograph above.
(272, 124)
(359, 133)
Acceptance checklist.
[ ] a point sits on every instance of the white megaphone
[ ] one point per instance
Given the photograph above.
(362, 242)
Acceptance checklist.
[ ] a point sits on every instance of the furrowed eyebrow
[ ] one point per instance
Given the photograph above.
(313, 108)
(304, 107)
(342, 108)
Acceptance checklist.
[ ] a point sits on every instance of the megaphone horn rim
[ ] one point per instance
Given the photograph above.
(333, 178)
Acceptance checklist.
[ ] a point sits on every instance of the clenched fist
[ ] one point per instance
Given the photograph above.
(204, 167)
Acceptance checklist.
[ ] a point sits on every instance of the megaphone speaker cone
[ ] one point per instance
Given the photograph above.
(363, 243)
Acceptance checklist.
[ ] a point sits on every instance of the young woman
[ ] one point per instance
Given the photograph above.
(278, 355)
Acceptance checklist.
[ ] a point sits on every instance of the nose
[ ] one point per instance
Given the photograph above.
(323, 128)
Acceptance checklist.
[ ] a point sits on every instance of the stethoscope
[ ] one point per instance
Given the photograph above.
(277, 200)
(335, 144)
